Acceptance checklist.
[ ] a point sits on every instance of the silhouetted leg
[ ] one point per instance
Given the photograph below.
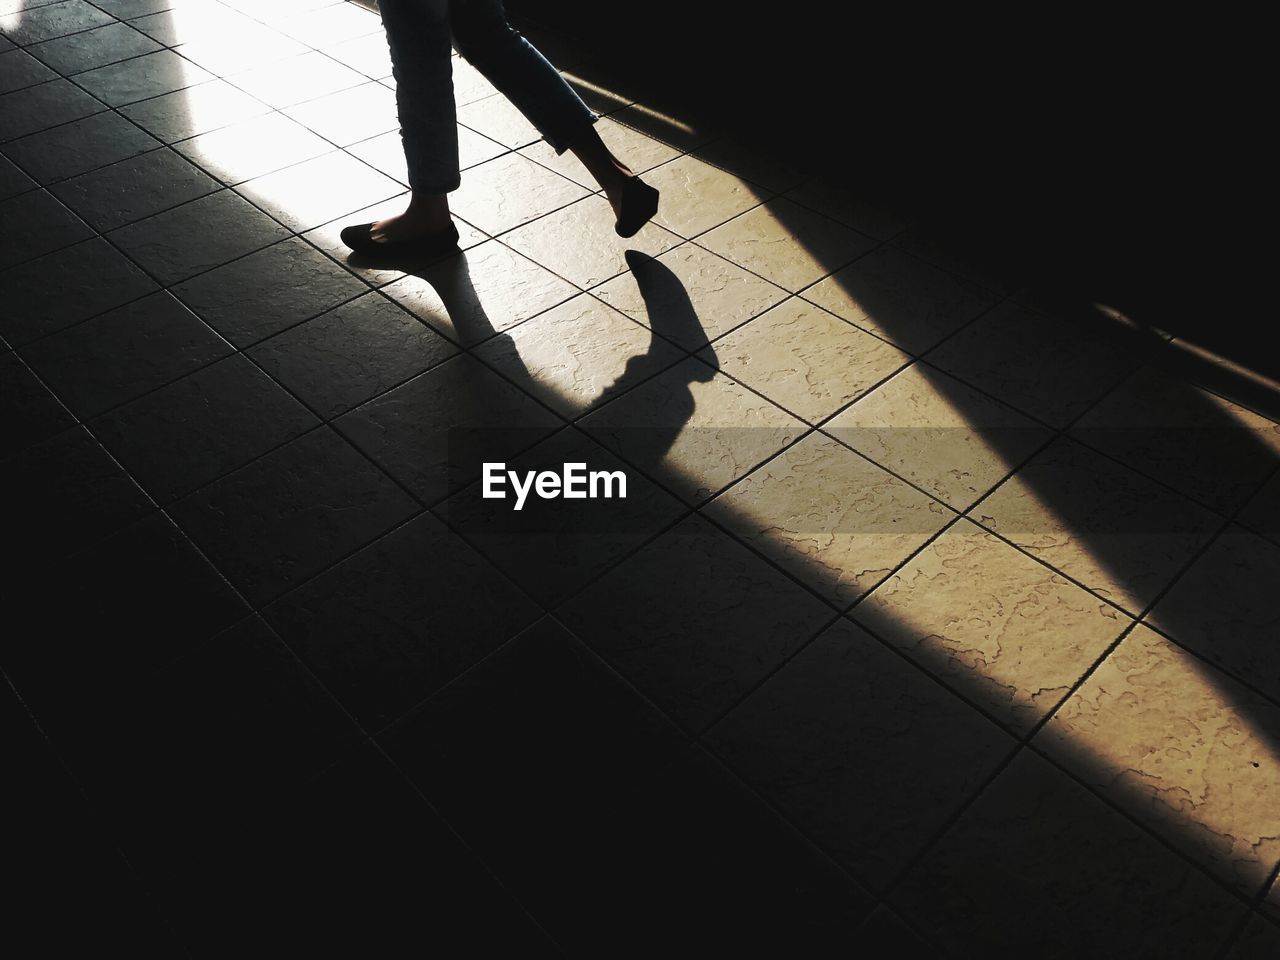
(526, 78)
(522, 74)
(418, 35)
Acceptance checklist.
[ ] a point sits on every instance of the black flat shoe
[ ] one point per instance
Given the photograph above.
(639, 204)
(358, 238)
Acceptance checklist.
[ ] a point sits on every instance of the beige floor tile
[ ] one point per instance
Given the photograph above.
(696, 196)
(804, 359)
(829, 517)
(499, 119)
(1040, 366)
(253, 148)
(195, 110)
(939, 433)
(1224, 608)
(328, 24)
(248, 49)
(368, 54)
(1100, 523)
(670, 130)
(469, 84)
(692, 429)
(1040, 867)
(316, 191)
(1211, 449)
(386, 152)
(752, 162)
(992, 623)
(578, 355)
(349, 116)
(191, 22)
(901, 298)
(296, 79)
(326, 237)
(483, 291)
(862, 212)
(1181, 747)
(632, 147)
(690, 295)
(579, 243)
(475, 149)
(784, 242)
(279, 7)
(510, 190)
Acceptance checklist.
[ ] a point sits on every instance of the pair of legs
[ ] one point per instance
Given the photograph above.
(421, 34)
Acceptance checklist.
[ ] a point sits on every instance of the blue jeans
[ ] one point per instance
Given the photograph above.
(418, 32)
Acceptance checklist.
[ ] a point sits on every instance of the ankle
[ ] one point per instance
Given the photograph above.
(429, 212)
(613, 179)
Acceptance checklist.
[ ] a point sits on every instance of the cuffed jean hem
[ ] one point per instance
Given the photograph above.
(427, 174)
(432, 187)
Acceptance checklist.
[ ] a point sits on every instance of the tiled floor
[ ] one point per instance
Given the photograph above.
(930, 616)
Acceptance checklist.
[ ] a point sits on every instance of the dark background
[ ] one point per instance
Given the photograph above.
(1109, 156)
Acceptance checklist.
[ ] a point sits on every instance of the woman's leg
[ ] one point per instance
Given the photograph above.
(422, 63)
(521, 73)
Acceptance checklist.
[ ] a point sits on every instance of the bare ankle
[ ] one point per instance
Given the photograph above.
(429, 211)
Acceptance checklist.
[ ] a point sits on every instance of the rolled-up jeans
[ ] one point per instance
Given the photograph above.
(419, 33)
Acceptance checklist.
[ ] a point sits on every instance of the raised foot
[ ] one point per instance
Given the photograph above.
(637, 203)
